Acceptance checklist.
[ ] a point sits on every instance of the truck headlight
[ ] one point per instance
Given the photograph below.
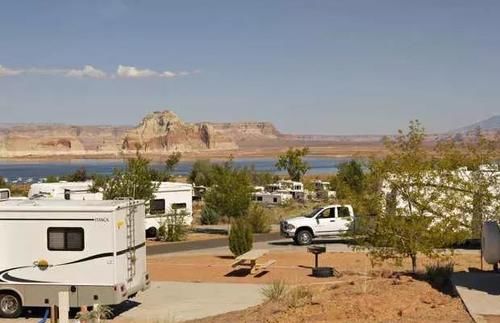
(289, 227)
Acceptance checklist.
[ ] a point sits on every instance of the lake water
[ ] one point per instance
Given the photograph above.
(27, 171)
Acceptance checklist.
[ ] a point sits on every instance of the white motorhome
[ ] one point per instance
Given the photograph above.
(275, 198)
(94, 250)
(171, 197)
(64, 191)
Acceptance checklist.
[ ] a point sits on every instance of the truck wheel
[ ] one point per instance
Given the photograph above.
(10, 306)
(303, 237)
(151, 232)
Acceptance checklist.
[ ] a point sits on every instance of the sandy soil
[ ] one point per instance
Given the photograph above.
(292, 266)
(363, 293)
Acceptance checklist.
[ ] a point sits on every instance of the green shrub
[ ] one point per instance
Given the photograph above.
(258, 219)
(209, 216)
(276, 291)
(173, 227)
(439, 273)
(240, 237)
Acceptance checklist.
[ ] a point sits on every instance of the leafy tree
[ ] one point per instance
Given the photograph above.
(230, 194)
(52, 179)
(292, 161)
(166, 174)
(135, 181)
(419, 225)
(3, 183)
(209, 216)
(350, 179)
(202, 173)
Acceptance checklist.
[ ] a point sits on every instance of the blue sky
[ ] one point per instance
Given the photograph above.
(332, 67)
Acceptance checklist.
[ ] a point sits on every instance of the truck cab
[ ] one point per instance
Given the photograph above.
(326, 221)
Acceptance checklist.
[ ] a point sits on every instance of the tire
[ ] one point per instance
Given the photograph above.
(10, 305)
(151, 232)
(303, 237)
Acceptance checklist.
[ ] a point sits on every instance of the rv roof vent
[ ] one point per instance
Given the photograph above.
(4, 194)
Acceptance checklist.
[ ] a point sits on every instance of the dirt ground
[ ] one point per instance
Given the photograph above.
(292, 266)
(363, 293)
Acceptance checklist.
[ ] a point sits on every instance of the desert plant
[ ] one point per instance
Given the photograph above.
(258, 219)
(240, 237)
(209, 216)
(99, 314)
(439, 273)
(173, 227)
(299, 296)
(276, 291)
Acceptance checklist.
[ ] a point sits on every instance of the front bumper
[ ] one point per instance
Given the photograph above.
(286, 233)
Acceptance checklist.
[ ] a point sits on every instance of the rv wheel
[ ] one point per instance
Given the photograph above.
(10, 306)
(151, 232)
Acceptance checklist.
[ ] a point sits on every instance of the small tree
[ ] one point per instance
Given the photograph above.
(209, 216)
(202, 173)
(166, 174)
(421, 224)
(80, 175)
(3, 184)
(173, 227)
(350, 179)
(292, 161)
(240, 237)
(135, 181)
(230, 194)
(258, 219)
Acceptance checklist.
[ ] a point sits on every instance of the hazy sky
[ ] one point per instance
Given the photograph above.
(333, 67)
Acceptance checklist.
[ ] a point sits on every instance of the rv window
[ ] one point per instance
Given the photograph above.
(157, 206)
(259, 198)
(178, 206)
(4, 195)
(65, 239)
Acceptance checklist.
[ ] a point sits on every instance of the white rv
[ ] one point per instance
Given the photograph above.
(64, 191)
(95, 250)
(275, 198)
(171, 197)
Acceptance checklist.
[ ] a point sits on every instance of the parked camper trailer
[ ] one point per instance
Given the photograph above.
(95, 250)
(322, 190)
(64, 191)
(170, 198)
(275, 198)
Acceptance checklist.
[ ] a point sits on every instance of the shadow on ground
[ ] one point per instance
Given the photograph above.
(316, 241)
(483, 281)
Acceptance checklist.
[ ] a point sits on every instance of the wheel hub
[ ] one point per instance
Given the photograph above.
(9, 304)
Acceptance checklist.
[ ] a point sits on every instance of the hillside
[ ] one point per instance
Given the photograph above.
(490, 124)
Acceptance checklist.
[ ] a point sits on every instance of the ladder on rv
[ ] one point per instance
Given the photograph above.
(131, 257)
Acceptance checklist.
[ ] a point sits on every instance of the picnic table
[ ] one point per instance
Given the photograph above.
(249, 259)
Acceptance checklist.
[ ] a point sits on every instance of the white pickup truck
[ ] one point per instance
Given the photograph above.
(327, 221)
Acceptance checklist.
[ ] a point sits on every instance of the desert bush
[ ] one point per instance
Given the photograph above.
(173, 227)
(240, 237)
(439, 273)
(299, 296)
(100, 313)
(259, 219)
(276, 291)
(209, 216)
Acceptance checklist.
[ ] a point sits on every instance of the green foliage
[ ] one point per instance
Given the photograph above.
(80, 175)
(258, 219)
(292, 161)
(260, 178)
(240, 237)
(52, 179)
(276, 291)
(3, 184)
(202, 173)
(173, 227)
(350, 179)
(439, 274)
(230, 195)
(135, 181)
(166, 174)
(426, 222)
(209, 216)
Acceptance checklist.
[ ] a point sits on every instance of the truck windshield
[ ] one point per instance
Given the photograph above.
(313, 213)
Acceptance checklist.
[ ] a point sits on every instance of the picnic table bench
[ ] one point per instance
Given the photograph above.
(249, 259)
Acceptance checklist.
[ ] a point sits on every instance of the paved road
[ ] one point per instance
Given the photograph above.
(203, 244)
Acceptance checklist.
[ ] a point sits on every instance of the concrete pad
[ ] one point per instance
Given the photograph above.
(174, 301)
(480, 292)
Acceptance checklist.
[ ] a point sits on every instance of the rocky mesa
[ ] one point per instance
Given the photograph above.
(158, 133)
